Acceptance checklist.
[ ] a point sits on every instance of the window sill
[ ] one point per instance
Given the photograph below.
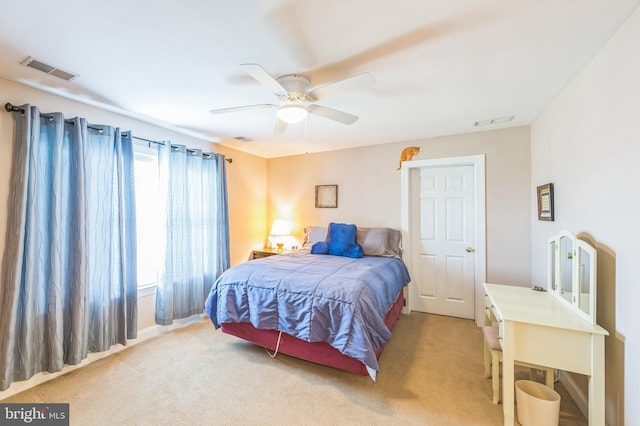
(146, 290)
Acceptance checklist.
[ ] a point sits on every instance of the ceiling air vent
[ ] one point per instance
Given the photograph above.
(41, 66)
(243, 139)
(498, 120)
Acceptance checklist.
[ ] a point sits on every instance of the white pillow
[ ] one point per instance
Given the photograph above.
(379, 241)
(313, 234)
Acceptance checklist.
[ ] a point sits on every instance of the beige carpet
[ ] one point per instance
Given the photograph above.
(431, 374)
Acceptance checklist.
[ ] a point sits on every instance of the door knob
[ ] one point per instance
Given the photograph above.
(470, 249)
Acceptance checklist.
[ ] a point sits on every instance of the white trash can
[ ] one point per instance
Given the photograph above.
(537, 404)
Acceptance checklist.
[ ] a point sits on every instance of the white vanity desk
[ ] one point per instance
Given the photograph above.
(555, 328)
(537, 328)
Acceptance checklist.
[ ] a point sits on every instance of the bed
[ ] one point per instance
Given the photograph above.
(329, 309)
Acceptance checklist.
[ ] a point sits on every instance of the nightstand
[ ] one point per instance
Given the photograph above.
(265, 252)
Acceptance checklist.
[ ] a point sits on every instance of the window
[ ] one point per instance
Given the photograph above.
(147, 208)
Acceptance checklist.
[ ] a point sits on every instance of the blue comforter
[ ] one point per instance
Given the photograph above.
(316, 298)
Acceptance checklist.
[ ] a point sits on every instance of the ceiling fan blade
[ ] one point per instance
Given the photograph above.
(264, 78)
(241, 108)
(358, 81)
(280, 127)
(333, 114)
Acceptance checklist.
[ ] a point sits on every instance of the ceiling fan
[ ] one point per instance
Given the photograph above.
(297, 98)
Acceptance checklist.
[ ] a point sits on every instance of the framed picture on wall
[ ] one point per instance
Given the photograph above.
(326, 196)
(545, 202)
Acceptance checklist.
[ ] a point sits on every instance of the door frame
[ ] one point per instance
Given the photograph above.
(480, 273)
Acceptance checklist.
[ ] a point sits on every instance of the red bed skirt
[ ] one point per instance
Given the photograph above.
(318, 352)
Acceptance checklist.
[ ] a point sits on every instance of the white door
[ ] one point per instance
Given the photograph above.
(442, 219)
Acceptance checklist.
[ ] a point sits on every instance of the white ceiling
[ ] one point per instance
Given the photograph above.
(439, 65)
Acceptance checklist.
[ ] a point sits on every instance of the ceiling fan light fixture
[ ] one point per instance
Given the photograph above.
(292, 113)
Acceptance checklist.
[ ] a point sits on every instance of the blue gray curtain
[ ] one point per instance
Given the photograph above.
(69, 267)
(196, 231)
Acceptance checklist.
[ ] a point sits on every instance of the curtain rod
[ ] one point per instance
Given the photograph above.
(12, 108)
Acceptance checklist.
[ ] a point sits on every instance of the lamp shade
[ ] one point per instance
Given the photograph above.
(292, 113)
(280, 228)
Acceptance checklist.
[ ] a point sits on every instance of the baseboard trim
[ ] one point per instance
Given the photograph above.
(574, 391)
(144, 334)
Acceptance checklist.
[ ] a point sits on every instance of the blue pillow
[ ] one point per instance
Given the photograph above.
(340, 236)
(321, 247)
(354, 250)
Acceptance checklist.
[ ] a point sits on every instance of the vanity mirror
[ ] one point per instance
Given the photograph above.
(565, 265)
(572, 273)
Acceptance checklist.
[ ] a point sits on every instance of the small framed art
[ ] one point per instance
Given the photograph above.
(545, 202)
(326, 196)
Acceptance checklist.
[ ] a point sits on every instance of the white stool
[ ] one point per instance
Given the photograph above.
(493, 358)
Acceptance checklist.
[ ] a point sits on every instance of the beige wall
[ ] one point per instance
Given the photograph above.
(587, 142)
(369, 190)
(245, 175)
(247, 192)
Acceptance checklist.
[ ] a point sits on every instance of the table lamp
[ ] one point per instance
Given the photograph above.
(279, 229)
